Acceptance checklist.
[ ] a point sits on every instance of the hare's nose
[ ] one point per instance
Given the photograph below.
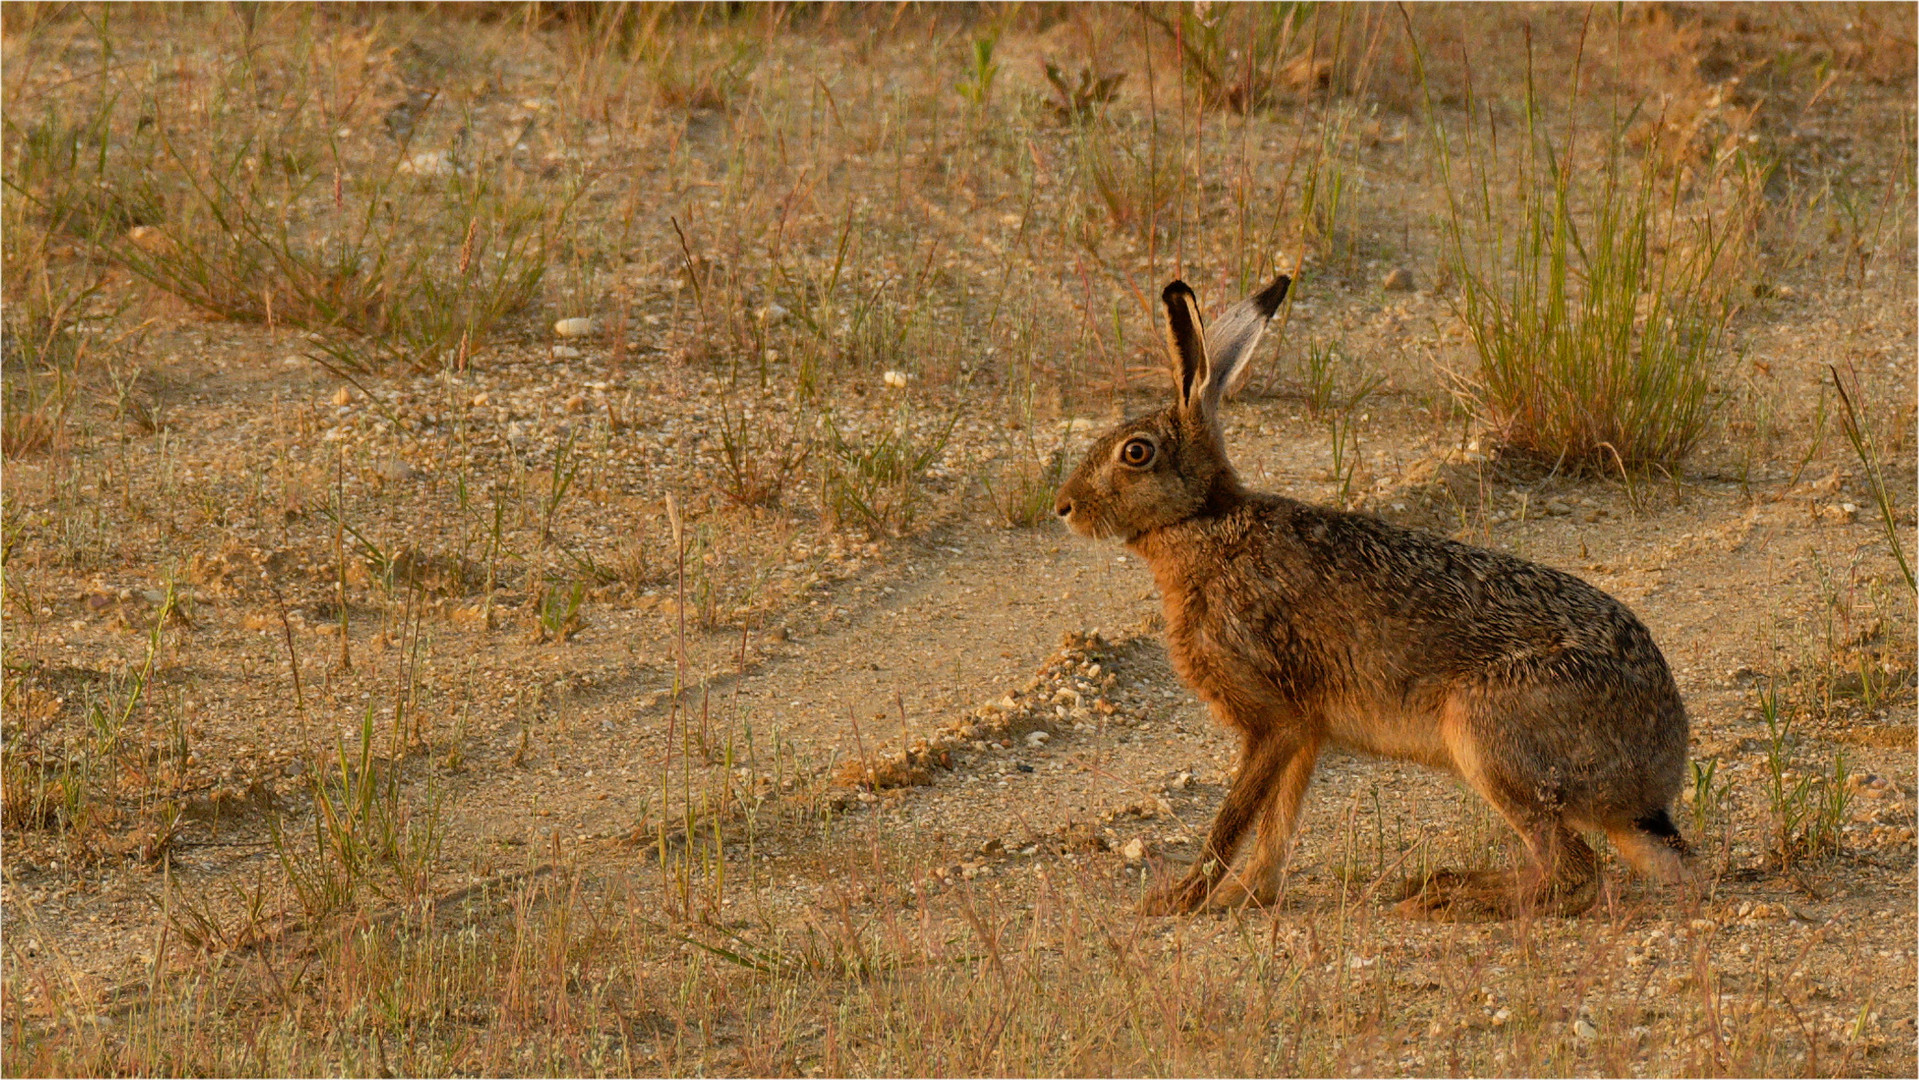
(1064, 507)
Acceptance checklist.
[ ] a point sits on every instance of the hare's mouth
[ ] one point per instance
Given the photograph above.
(1096, 527)
(1091, 526)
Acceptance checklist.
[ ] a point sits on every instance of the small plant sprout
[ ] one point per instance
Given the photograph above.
(981, 73)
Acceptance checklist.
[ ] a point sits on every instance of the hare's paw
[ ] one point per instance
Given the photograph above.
(1458, 896)
(1568, 898)
(1180, 898)
(1477, 896)
(1232, 893)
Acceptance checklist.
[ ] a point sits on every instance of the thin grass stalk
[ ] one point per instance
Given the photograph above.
(1866, 447)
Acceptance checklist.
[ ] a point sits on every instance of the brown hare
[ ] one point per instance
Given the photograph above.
(1301, 626)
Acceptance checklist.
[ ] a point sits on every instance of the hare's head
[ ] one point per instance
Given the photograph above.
(1167, 466)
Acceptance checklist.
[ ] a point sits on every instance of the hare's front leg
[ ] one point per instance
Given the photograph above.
(1263, 757)
(1257, 881)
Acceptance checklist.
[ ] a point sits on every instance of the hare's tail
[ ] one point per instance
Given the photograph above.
(1652, 845)
(1658, 826)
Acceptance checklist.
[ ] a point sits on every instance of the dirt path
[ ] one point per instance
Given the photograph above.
(980, 613)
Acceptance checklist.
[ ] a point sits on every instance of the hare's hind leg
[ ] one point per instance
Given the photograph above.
(1263, 755)
(1257, 881)
(1563, 878)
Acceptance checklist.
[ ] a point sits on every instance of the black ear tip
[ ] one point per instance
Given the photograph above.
(1273, 295)
(1174, 290)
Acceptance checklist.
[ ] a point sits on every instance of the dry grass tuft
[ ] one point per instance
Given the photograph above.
(1597, 295)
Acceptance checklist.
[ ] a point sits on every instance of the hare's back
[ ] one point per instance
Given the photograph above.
(1469, 605)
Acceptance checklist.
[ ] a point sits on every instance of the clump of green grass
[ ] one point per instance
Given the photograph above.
(1328, 215)
(1329, 384)
(1595, 294)
(36, 405)
(367, 837)
(1808, 809)
(1859, 656)
(556, 608)
(46, 781)
(1710, 800)
(69, 780)
(1335, 395)
(873, 482)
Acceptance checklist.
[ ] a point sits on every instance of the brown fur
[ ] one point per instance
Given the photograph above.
(1302, 625)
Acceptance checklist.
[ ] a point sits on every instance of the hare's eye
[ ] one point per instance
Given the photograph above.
(1137, 452)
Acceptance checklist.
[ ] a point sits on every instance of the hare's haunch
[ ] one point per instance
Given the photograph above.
(1302, 625)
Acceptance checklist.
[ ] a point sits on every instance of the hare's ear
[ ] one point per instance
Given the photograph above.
(1233, 338)
(1185, 344)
